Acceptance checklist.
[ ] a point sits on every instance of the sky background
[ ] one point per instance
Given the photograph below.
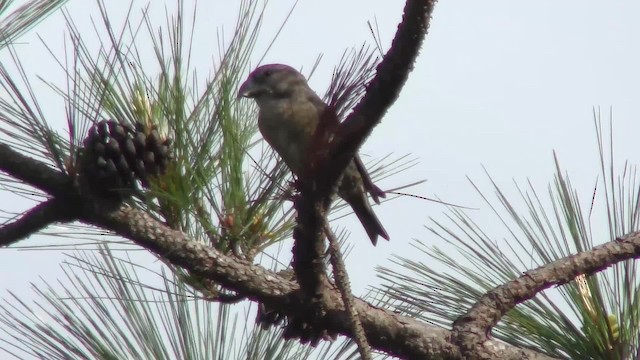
(498, 85)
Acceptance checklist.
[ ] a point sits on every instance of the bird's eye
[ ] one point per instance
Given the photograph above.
(267, 73)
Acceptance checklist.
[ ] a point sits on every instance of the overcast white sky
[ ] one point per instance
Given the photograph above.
(499, 84)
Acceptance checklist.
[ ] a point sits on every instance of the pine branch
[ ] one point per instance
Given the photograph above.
(472, 328)
(241, 276)
(384, 89)
(34, 173)
(34, 220)
(318, 184)
(342, 282)
(386, 331)
(312, 208)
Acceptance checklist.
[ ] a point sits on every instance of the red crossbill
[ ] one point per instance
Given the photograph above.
(289, 111)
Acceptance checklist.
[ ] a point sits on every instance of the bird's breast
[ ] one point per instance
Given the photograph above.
(288, 127)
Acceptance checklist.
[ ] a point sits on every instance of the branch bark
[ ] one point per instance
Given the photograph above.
(34, 173)
(344, 285)
(385, 87)
(34, 220)
(386, 331)
(472, 328)
(326, 167)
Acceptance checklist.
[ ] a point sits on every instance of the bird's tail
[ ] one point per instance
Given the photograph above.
(369, 220)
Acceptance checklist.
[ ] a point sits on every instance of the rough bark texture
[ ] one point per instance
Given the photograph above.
(471, 329)
(35, 173)
(36, 219)
(386, 331)
(319, 183)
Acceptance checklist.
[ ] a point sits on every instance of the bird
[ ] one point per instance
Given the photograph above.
(288, 113)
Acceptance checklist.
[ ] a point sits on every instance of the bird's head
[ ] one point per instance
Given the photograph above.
(273, 81)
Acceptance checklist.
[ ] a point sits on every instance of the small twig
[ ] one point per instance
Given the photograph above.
(34, 220)
(342, 281)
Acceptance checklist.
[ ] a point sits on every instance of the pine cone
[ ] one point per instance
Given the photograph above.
(116, 155)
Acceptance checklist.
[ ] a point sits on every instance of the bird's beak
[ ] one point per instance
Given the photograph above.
(248, 89)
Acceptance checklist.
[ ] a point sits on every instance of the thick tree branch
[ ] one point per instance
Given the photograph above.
(33, 172)
(386, 331)
(34, 220)
(312, 207)
(384, 88)
(239, 275)
(472, 328)
(319, 183)
(309, 247)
